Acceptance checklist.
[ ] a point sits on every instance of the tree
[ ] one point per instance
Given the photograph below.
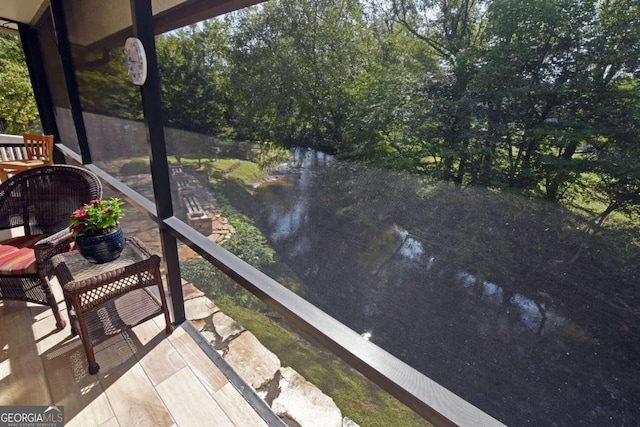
(18, 111)
(533, 76)
(549, 80)
(293, 60)
(104, 85)
(453, 30)
(385, 122)
(617, 151)
(193, 69)
(613, 104)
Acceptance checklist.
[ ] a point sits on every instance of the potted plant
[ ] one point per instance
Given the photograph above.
(97, 231)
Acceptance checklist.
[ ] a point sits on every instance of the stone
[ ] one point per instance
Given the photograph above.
(199, 308)
(209, 336)
(251, 360)
(226, 327)
(199, 324)
(214, 237)
(190, 292)
(348, 422)
(304, 403)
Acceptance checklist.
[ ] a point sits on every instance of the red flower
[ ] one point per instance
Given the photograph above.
(80, 214)
(78, 228)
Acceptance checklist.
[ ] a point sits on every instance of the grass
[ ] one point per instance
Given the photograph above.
(357, 398)
(243, 171)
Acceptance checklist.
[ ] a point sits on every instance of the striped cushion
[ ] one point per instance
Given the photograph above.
(17, 256)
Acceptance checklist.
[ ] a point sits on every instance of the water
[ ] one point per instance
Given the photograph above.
(512, 304)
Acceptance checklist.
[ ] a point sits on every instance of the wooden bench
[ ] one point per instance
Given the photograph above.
(192, 204)
(178, 174)
(185, 190)
(196, 215)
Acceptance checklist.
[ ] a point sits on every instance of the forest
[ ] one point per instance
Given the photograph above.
(537, 97)
(540, 97)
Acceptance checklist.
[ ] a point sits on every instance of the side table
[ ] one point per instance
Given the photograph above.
(106, 299)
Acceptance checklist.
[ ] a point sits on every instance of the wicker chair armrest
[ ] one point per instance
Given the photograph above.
(55, 244)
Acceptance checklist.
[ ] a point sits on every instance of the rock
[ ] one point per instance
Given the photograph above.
(209, 336)
(304, 403)
(251, 360)
(199, 308)
(226, 328)
(214, 237)
(190, 292)
(199, 324)
(348, 422)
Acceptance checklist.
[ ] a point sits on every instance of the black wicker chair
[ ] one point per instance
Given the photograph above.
(35, 206)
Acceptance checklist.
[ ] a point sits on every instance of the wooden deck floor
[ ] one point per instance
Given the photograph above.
(146, 378)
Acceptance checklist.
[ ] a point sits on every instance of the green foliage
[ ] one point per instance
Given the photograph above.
(104, 86)
(247, 242)
(269, 155)
(495, 93)
(216, 285)
(292, 61)
(192, 65)
(18, 111)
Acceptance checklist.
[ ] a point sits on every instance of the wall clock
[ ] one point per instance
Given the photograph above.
(136, 60)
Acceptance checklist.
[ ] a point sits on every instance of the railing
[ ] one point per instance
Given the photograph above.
(427, 398)
(12, 148)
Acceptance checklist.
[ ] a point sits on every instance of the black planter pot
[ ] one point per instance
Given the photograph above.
(101, 248)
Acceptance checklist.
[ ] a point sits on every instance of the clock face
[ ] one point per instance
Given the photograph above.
(136, 60)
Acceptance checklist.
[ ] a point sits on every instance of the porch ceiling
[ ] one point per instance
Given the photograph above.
(170, 14)
(24, 11)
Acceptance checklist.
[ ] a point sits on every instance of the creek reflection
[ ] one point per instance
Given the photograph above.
(480, 291)
(533, 314)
